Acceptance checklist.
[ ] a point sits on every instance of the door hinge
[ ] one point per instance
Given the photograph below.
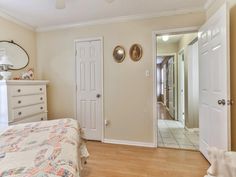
(75, 52)
(230, 102)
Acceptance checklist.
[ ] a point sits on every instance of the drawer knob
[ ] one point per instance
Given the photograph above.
(41, 98)
(19, 102)
(19, 113)
(41, 108)
(19, 90)
(41, 119)
(40, 89)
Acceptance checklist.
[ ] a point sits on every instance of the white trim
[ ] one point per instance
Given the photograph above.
(23, 82)
(166, 54)
(10, 18)
(129, 143)
(102, 78)
(192, 129)
(6, 15)
(155, 121)
(120, 19)
(208, 4)
(181, 51)
(173, 31)
(154, 49)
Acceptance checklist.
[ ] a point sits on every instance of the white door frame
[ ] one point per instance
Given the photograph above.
(181, 51)
(102, 77)
(175, 69)
(154, 45)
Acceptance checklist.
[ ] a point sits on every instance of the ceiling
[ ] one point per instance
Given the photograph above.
(172, 39)
(43, 14)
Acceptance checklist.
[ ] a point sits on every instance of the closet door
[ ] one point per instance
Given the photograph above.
(89, 87)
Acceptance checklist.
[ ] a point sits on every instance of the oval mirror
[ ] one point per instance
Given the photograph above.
(119, 54)
(16, 54)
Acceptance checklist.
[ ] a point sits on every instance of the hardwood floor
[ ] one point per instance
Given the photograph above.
(108, 160)
(162, 113)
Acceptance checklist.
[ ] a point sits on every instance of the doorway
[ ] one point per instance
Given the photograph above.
(214, 82)
(176, 99)
(89, 87)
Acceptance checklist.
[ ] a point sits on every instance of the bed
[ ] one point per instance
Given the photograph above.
(44, 149)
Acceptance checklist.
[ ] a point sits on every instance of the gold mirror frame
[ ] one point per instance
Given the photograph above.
(119, 54)
(16, 53)
(136, 52)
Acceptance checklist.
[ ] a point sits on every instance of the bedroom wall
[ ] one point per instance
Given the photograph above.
(21, 35)
(128, 92)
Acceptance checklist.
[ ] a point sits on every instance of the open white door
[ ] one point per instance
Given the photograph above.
(89, 87)
(214, 108)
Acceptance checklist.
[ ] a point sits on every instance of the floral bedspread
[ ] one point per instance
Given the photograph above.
(42, 149)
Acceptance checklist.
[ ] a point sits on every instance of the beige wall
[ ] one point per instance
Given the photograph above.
(167, 48)
(25, 37)
(128, 93)
(185, 40)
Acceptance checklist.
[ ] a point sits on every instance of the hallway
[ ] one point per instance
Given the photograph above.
(172, 134)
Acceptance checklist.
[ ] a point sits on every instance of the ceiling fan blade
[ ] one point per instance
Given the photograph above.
(60, 4)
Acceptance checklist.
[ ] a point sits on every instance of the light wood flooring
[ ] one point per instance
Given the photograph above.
(162, 113)
(108, 160)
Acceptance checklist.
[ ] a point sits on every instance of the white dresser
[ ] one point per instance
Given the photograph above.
(22, 101)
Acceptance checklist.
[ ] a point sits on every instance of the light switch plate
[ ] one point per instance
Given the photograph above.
(147, 73)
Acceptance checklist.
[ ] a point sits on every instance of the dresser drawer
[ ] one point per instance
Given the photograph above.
(20, 113)
(27, 90)
(27, 100)
(35, 118)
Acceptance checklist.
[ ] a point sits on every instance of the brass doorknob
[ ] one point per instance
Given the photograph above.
(221, 102)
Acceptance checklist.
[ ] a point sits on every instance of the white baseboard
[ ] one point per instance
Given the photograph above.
(192, 129)
(129, 143)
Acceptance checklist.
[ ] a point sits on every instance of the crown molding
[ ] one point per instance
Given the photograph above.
(208, 4)
(19, 22)
(120, 19)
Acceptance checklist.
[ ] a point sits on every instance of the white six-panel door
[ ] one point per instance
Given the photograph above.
(214, 111)
(89, 87)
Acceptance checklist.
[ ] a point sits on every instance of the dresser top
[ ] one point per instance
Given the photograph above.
(24, 82)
